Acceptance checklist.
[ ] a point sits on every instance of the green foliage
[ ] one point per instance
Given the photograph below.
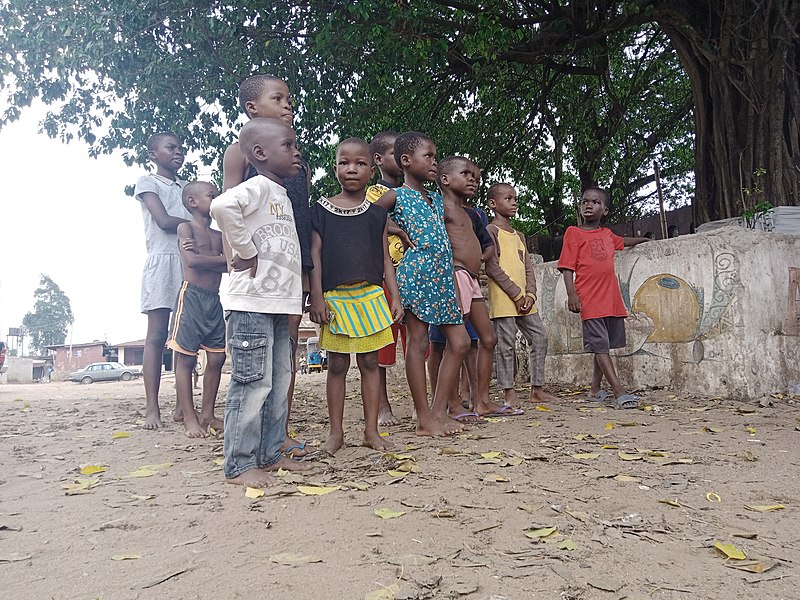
(47, 323)
(551, 98)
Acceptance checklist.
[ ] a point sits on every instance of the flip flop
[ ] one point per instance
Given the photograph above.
(290, 451)
(468, 417)
(626, 401)
(600, 396)
(506, 411)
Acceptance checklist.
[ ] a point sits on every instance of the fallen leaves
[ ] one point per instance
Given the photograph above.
(541, 532)
(713, 497)
(92, 469)
(388, 513)
(764, 507)
(730, 551)
(316, 490)
(253, 493)
(118, 435)
(290, 559)
(126, 557)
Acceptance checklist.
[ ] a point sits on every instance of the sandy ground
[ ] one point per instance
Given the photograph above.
(637, 499)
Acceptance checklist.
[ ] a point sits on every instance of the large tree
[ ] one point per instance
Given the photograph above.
(47, 323)
(553, 95)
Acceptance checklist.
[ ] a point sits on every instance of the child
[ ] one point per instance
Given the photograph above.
(458, 179)
(264, 289)
(382, 149)
(425, 281)
(268, 96)
(512, 298)
(467, 388)
(351, 261)
(588, 256)
(198, 321)
(162, 211)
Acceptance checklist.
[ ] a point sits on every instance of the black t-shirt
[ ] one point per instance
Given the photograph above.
(352, 242)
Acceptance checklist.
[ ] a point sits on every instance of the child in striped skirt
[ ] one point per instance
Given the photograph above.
(351, 259)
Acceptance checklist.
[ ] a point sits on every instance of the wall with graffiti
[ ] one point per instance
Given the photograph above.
(715, 313)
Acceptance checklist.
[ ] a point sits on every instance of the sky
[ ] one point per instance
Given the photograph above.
(66, 215)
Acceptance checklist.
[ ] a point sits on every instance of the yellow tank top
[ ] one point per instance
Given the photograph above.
(512, 261)
(396, 249)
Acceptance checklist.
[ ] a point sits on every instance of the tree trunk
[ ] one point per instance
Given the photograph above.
(742, 58)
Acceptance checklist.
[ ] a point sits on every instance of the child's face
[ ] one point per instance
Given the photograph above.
(280, 154)
(203, 197)
(353, 167)
(274, 102)
(421, 163)
(593, 205)
(463, 180)
(504, 203)
(387, 163)
(168, 154)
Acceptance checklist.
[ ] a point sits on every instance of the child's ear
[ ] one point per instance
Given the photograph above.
(151, 154)
(492, 203)
(405, 160)
(372, 170)
(258, 152)
(191, 201)
(250, 108)
(377, 159)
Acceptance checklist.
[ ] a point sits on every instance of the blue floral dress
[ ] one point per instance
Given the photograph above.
(425, 273)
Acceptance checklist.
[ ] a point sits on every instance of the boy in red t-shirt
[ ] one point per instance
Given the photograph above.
(588, 256)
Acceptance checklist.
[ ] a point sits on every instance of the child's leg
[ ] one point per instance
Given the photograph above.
(152, 358)
(471, 368)
(370, 398)
(604, 367)
(338, 364)
(294, 333)
(184, 367)
(487, 340)
(506, 331)
(427, 423)
(385, 415)
(433, 363)
(458, 344)
(211, 378)
(534, 333)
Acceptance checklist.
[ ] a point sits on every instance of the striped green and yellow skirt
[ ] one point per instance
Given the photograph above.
(360, 319)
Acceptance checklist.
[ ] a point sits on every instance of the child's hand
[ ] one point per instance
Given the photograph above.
(527, 305)
(397, 310)
(520, 303)
(407, 243)
(319, 312)
(242, 264)
(574, 303)
(188, 245)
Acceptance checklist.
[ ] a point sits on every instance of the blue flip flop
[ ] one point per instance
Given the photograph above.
(626, 401)
(600, 396)
(288, 451)
(506, 411)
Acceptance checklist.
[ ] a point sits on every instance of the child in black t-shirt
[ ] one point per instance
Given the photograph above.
(351, 260)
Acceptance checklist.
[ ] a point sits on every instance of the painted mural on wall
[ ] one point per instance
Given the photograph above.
(665, 308)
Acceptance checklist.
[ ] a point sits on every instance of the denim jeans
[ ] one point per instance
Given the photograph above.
(256, 407)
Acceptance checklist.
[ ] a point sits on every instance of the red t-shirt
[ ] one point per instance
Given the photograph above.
(590, 253)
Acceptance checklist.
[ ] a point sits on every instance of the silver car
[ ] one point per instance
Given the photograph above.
(105, 371)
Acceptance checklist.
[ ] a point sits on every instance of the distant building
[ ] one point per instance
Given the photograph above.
(72, 357)
(128, 353)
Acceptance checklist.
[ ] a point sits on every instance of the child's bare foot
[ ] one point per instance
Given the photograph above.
(386, 417)
(539, 395)
(488, 408)
(510, 397)
(292, 448)
(332, 444)
(194, 430)
(215, 422)
(254, 478)
(376, 442)
(284, 462)
(436, 427)
(152, 421)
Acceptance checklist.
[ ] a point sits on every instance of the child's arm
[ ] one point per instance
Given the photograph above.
(573, 301)
(390, 279)
(530, 280)
(234, 164)
(192, 259)
(632, 241)
(228, 211)
(388, 201)
(156, 208)
(498, 275)
(319, 312)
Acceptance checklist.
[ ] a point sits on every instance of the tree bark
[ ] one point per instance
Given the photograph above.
(742, 58)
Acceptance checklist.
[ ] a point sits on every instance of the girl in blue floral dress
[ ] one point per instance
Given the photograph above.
(425, 280)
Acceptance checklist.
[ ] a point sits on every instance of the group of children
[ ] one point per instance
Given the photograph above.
(378, 262)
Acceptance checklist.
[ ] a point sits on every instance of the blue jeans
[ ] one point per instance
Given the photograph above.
(256, 407)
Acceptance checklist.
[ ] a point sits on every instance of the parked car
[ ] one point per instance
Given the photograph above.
(105, 371)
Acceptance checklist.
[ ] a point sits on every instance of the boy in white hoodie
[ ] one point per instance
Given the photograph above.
(264, 289)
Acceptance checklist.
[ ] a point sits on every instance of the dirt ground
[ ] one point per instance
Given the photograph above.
(637, 499)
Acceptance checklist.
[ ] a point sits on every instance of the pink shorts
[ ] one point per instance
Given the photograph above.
(468, 290)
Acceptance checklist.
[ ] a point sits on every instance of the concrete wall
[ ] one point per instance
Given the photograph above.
(714, 313)
(20, 369)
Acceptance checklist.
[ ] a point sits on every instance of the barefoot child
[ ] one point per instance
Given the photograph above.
(512, 298)
(458, 179)
(382, 149)
(351, 261)
(268, 96)
(198, 321)
(162, 211)
(264, 288)
(588, 257)
(425, 281)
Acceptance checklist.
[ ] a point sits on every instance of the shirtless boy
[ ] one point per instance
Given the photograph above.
(458, 179)
(198, 320)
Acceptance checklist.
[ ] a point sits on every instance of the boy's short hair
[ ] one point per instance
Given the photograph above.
(495, 189)
(382, 142)
(449, 164)
(357, 142)
(251, 88)
(407, 142)
(188, 190)
(154, 140)
(604, 192)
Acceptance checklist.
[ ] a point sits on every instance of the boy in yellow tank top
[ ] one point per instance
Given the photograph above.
(512, 298)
